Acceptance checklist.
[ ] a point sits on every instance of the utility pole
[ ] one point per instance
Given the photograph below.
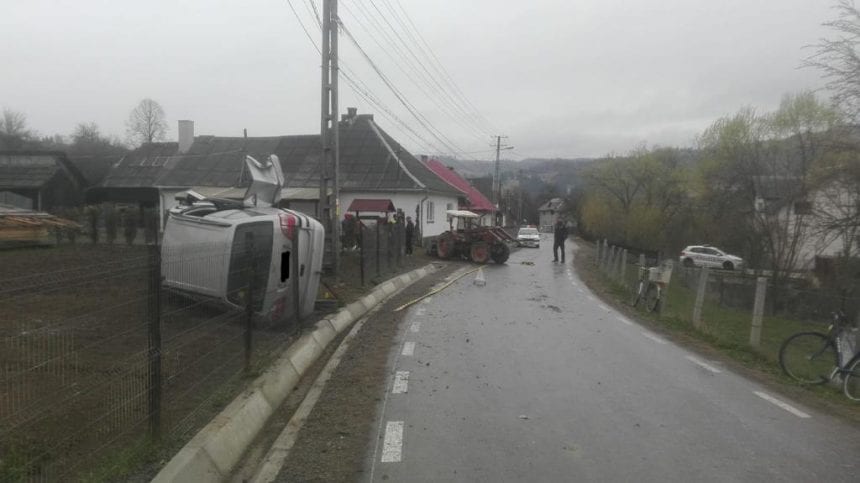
(497, 177)
(328, 209)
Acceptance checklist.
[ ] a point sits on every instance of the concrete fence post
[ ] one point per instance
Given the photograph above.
(758, 311)
(700, 298)
(610, 259)
(599, 253)
(605, 259)
(641, 259)
(622, 273)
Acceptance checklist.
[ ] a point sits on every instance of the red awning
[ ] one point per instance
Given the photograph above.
(380, 206)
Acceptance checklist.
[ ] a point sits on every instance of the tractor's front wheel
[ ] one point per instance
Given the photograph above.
(479, 253)
(500, 252)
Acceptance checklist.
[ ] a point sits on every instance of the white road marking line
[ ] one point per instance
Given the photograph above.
(603, 307)
(783, 405)
(427, 300)
(654, 338)
(703, 364)
(401, 383)
(575, 284)
(623, 320)
(392, 446)
(590, 297)
(408, 349)
(580, 290)
(415, 327)
(421, 311)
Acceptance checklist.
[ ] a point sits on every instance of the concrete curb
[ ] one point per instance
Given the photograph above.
(214, 451)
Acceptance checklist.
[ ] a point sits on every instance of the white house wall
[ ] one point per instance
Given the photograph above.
(408, 202)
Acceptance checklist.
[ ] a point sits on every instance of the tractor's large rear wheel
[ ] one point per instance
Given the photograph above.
(500, 252)
(444, 246)
(479, 253)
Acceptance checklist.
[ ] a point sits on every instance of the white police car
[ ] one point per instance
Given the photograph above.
(708, 256)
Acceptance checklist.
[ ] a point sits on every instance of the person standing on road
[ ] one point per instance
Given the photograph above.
(410, 231)
(559, 236)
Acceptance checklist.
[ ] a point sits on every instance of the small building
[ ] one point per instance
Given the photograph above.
(39, 180)
(549, 213)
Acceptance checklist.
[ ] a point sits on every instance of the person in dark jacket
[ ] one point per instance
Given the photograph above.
(559, 236)
(410, 231)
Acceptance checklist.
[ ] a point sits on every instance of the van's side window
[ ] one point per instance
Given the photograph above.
(285, 266)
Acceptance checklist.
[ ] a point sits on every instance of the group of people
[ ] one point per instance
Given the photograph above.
(350, 229)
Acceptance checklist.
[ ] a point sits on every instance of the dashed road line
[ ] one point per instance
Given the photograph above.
(415, 327)
(401, 383)
(654, 338)
(781, 404)
(421, 311)
(427, 300)
(703, 365)
(580, 290)
(590, 298)
(392, 445)
(408, 349)
(623, 320)
(603, 307)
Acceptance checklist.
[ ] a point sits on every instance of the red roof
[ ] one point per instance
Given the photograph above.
(381, 206)
(477, 201)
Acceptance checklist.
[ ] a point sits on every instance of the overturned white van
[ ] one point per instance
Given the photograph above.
(226, 250)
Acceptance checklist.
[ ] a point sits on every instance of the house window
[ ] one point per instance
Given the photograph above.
(449, 206)
(428, 213)
(144, 162)
(158, 160)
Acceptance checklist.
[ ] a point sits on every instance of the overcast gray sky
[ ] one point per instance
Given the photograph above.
(559, 77)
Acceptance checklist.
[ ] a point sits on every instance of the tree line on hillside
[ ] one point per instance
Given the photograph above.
(146, 123)
(760, 184)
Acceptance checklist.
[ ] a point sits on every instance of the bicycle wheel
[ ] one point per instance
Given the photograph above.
(808, 357)
(637, 295)
(652, 299)
(851, 383)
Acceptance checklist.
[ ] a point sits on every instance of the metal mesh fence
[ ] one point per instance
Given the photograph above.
(722, 304)
(104, 356)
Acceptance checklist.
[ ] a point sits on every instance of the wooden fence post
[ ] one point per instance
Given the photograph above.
(758, 311)
(700, 298)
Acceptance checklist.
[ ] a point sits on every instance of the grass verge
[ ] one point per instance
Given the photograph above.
(724, 334)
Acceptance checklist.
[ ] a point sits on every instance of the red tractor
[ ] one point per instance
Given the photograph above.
(471, 240)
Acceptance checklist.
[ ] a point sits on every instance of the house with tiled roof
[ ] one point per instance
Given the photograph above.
(39, 180)
(372, 166)
(474, 201)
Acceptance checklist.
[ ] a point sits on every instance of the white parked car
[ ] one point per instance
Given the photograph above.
(528, 236)
(708, 256)
(212, 248)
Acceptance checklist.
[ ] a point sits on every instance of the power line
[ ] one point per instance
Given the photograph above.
(437, 64)
(412, 60)
(364, 92)
(405, 64)
(400, 97)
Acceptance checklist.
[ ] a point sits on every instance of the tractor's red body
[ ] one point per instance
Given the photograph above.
(472, 241)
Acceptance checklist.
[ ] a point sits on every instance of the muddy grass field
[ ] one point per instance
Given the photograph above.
(74, 358)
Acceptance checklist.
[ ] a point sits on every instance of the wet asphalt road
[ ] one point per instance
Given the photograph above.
(531, 378)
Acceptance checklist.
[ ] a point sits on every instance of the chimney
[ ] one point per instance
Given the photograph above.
(351, 113)
(186, 136)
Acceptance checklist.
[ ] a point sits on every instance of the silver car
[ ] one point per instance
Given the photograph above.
(528, 237)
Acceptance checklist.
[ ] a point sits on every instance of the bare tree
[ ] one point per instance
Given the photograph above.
(13, 129)
(146, 123)
(838, 58)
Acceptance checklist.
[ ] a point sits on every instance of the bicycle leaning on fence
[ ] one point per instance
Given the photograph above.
(816, 358)
(650, 286)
